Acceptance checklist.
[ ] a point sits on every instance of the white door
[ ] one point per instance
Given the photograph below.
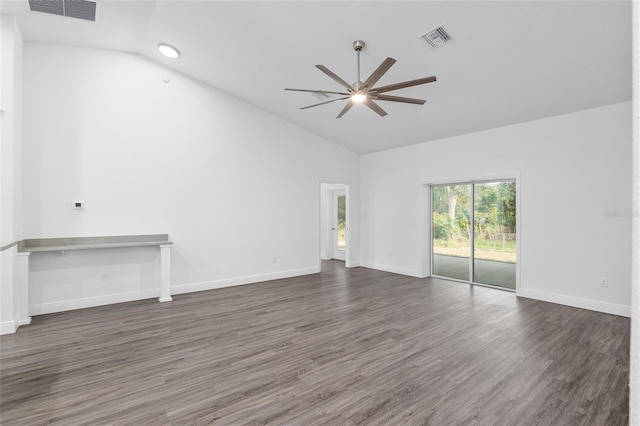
(339, 225)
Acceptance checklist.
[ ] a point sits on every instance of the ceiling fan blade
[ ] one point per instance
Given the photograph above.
(324, 103)
(400, 99)
(319, 91)
(404, 84)
(379, 72)
(346, 108)
(374, 106)
(337, 79)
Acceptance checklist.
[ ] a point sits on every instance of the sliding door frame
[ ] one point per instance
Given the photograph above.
(426, 212)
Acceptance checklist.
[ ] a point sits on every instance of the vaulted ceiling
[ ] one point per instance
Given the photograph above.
(508, 62)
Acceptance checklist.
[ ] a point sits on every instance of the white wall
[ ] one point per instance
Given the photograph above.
(573, 169)
(10, 162)
(634, 395)
(84, 278)
(232, 185)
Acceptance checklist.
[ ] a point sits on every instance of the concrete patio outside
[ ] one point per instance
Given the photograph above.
(501, 274)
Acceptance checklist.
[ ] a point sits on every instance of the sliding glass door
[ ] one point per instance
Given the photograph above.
(474, 232)
(494, 238)
(451, 232)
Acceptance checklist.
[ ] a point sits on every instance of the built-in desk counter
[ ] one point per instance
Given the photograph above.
(88, 243)
(39, 245)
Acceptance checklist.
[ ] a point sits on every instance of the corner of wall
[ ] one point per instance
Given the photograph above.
(10, 170)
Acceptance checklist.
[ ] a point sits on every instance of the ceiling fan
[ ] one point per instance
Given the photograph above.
(365, 93)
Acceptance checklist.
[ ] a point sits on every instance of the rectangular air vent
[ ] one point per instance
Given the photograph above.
(320, 95)
(81, 9)
(437, 37)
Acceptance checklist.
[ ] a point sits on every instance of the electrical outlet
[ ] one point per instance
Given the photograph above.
(604, 282)
(390, 254)
(104, 278)
(274, 259)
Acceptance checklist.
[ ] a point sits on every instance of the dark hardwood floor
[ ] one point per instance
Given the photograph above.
(341, 347)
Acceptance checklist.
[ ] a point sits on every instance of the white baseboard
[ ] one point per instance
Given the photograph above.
(8, 327)
(251, 279)
(354, 264)
(88, 302)
(576, 302)
(324, 256)
(25, 321)
(390, 268)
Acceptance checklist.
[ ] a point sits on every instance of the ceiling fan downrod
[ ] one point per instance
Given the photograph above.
(358, 45)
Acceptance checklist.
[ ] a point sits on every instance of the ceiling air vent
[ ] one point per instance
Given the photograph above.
(437, 37)
(81, 9)
(320, 95)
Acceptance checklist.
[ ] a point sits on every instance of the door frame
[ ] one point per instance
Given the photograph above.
(426, 220)
(323, 206)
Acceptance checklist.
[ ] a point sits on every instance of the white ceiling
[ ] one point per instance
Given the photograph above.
(508, 62)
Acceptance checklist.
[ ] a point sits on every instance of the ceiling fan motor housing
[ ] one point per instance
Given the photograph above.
(358, 45)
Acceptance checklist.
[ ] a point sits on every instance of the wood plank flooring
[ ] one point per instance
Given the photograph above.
(342, 347)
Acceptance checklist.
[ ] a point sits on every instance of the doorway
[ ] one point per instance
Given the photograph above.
(339, 225)
(473, 234)
(334, 222)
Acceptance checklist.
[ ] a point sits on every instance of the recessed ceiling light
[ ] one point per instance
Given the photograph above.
(168, 50)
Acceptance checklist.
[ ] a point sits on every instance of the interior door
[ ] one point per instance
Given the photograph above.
(339, 225)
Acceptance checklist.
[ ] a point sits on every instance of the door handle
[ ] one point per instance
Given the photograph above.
(333, 229)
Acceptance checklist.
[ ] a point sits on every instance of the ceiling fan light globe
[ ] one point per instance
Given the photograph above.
(358, 98)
